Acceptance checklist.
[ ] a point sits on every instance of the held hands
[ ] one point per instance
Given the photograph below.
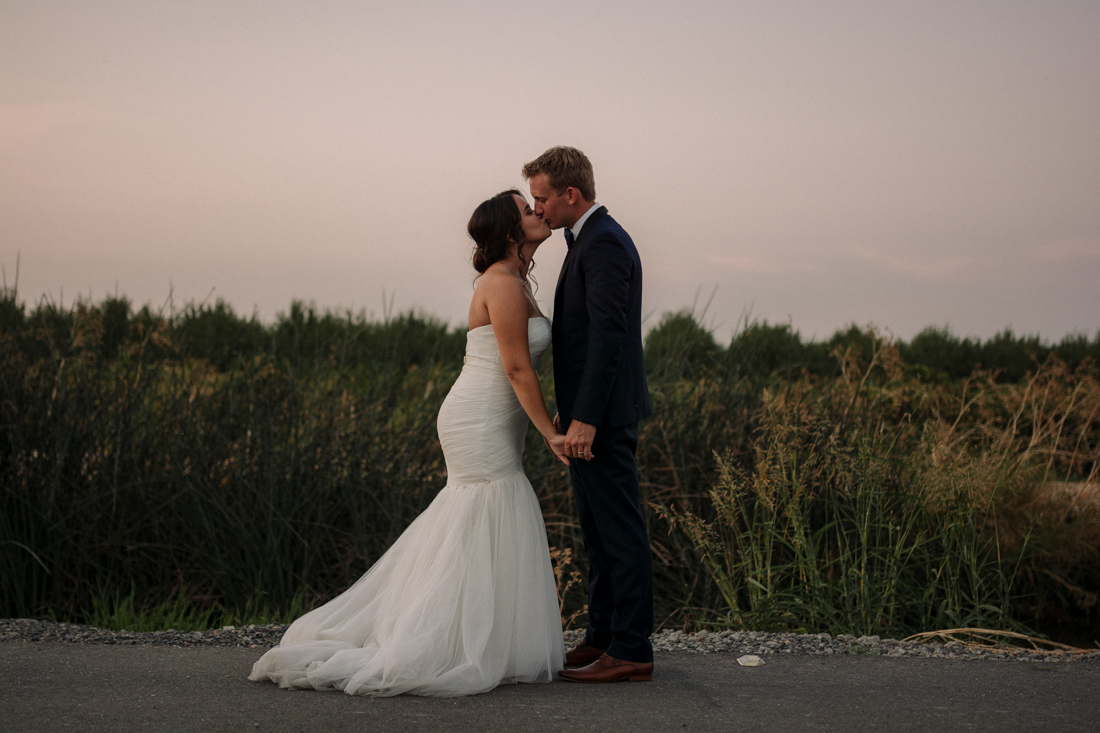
(556, 444)
(578, 441)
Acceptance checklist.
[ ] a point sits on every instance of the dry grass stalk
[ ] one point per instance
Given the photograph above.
(566, 579)
(986, 639)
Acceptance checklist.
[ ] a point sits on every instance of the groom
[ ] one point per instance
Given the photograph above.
(600, 382)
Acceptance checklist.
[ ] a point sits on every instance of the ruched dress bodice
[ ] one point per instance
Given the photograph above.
(465, 599)
(481, 423)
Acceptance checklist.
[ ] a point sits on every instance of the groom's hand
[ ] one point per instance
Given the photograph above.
(578, 441)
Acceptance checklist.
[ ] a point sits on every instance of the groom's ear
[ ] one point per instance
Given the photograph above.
(572, 195)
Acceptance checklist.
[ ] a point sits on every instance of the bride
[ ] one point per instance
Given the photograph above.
(465, 599)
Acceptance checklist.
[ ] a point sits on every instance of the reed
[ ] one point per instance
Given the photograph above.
(180, 612)
(877, 504)
(195, 457)
(281, 475)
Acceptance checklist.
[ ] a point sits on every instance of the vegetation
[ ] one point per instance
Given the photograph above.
(200, 468)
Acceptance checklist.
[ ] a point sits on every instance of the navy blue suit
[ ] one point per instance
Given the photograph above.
(599, 379)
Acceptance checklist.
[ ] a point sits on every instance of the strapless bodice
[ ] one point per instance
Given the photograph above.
(482, 349)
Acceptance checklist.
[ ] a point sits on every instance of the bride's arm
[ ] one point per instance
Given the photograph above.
(508, 307)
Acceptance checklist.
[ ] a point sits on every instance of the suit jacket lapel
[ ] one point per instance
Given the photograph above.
(585, 231)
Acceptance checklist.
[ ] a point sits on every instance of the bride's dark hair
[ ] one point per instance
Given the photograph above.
(495, 227)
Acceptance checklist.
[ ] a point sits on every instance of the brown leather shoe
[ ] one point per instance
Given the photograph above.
(610, 669)
(582, 654)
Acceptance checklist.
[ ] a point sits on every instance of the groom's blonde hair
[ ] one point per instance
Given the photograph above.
(564, 167)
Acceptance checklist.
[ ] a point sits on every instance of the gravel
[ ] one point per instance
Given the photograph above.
(763, 643)
(248, 637)
(701, 642)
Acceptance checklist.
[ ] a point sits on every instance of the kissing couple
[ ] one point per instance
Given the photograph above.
(465, 599)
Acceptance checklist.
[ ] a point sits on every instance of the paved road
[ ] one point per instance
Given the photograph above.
(58, 687)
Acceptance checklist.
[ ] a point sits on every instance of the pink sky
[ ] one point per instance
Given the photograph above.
(819, 163)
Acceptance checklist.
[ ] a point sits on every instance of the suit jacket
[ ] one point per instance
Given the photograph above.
(599, 368)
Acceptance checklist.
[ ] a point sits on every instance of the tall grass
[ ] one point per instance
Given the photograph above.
(877, 504)
(282, 474)
(121, 612)
(252, 470)
(831, 531)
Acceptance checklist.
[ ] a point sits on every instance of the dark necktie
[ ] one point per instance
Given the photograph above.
(564, 266)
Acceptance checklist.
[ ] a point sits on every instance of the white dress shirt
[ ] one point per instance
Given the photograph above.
(576, 228)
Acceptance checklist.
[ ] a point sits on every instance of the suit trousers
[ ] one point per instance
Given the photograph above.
(620, 582)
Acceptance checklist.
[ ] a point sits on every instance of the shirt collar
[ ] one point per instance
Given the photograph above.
(576, 228)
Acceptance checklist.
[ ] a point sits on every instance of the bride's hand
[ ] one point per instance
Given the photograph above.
(556, 444)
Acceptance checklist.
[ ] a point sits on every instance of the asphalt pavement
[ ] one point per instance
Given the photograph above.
(72, 687)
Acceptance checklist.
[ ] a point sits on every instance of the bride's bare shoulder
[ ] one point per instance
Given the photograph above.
(496, 282)
(501, 290)
(497, 293)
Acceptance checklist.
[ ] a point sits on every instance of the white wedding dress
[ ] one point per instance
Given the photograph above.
(465, 598)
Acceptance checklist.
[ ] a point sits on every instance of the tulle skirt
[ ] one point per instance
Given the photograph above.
(465, 600)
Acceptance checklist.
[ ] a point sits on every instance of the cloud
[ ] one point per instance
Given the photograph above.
(1066, 250)
(759, 265)
(921, 268)
(743, 263)
(23, 124)
(942, 268)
